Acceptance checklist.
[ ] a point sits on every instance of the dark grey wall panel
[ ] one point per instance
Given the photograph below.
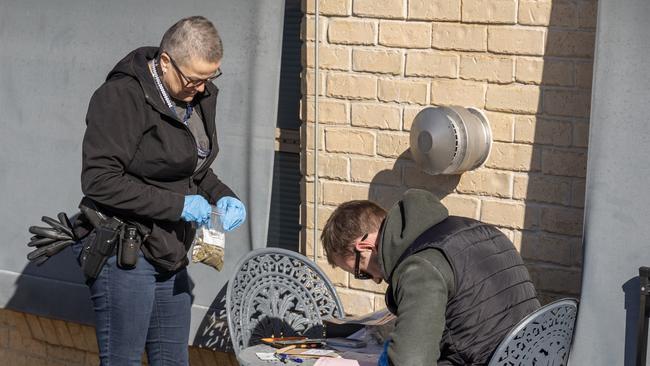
(284, 227)
(53, 55)
(617, 211)
(289, 105)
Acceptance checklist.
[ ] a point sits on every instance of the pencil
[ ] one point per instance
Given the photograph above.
(285, 349)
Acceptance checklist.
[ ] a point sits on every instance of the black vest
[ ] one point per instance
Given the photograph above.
(493, 290)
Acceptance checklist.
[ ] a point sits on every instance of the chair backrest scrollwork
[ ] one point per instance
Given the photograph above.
(276, 292)
(542, 338)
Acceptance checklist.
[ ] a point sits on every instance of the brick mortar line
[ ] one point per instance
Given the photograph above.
(387, 76)
(409, 20)
(540, 231)
(450, 51)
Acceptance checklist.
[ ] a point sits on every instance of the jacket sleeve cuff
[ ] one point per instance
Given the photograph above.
(176, 209)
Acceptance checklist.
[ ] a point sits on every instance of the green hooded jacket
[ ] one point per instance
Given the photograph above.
(421, 284)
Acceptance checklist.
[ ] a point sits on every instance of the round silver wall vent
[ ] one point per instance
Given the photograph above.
(450, 140)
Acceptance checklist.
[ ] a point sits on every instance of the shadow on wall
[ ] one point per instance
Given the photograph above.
(553, 192)
(384, 191)
(60, 278)
(213, 331)
(54, 289)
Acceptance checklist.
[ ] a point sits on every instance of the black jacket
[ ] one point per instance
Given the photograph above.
(139, 158)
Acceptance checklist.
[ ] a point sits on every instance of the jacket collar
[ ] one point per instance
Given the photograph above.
(135, 65)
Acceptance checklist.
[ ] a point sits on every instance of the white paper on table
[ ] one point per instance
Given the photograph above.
(317, 352)
(264, 356)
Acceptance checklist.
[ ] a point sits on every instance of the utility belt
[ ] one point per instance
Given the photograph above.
(111, 236)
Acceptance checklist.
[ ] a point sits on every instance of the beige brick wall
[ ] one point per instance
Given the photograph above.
(527, 63)
(30, 340)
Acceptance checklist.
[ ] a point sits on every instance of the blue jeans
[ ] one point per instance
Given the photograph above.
(141, 309)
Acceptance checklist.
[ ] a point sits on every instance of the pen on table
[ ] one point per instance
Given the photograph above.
(282, 357)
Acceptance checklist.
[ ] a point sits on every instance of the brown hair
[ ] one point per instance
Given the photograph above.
(348, 222)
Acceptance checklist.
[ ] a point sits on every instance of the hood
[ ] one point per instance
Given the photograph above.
(135, 65)
(417, 211)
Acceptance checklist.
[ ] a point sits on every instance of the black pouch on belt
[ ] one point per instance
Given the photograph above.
(97, 249)
(101, 243)
(128, 247)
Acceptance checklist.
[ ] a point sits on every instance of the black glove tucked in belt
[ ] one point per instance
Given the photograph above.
(50, 240)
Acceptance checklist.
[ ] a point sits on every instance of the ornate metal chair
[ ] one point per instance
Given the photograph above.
(542, 338)
(278, 292)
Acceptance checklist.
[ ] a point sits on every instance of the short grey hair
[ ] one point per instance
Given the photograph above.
(192, 37)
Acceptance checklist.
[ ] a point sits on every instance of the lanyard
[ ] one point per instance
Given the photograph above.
(202, 153)
(189, 109)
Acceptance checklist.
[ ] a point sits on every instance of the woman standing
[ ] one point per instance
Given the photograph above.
(147, 151)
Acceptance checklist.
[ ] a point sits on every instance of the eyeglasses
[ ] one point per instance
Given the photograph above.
(358, 273)
(193, 83)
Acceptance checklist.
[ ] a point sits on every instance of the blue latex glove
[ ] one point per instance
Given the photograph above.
(233, 212)
(383, 358)
(196, 209)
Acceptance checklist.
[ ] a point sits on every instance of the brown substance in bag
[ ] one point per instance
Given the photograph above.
(209, 254)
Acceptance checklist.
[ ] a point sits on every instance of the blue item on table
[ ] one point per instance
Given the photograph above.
(284, 358)
(383, 359)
